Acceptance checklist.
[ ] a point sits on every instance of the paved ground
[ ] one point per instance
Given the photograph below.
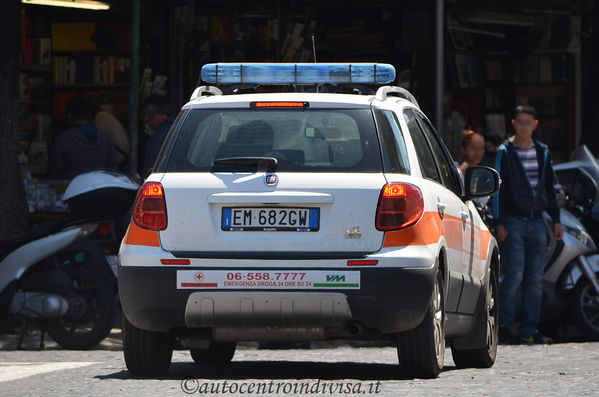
(561, 369)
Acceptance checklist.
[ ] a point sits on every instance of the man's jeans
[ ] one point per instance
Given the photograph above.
(522, 265)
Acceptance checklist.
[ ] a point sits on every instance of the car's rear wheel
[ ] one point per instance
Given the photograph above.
(421, 351)
(147, 353)
(483, 357)
(216, 353)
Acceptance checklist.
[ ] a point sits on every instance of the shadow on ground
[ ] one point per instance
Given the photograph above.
(31, 341)
(278, 370)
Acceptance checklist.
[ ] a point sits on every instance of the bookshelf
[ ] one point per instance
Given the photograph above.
(35, 104)
(485, 81)
(62, 59)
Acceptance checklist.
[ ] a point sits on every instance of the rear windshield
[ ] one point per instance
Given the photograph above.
(307, 140)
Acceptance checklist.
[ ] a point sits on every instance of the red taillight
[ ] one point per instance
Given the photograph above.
(149, 211)
(103, 229)
(400, 205)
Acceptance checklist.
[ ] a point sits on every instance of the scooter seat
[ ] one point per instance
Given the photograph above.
(35, 233)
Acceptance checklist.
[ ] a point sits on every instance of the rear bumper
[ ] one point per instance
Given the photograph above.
(389, 300)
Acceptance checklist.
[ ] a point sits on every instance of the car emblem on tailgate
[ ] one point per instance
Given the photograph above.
(271, 179)
(353, 233)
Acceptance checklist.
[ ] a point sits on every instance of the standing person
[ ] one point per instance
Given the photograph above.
(473, 151)
(158, 121)
(526, 191)
(82, 147)
(113, 127)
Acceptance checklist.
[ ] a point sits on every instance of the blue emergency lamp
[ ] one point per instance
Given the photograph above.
(298, 73)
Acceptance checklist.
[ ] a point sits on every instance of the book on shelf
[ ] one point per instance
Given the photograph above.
(535, 70)
(34, 126)
(159, 85)
(101, 70)
(545, 70)
(559, 68)
(73, 36)
(494, 71)
(24, 89)
(460, 62)
(38, 52)
(462, 71)
(492, 99)
(87, 69)
(452, 73)
(32, 87)
(550, 106)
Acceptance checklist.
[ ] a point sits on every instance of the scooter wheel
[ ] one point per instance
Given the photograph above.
(90, 321)
(585, 307)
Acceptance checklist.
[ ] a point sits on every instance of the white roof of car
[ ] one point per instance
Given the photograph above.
(315, 99)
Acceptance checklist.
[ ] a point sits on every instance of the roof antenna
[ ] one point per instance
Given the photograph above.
(314, 48)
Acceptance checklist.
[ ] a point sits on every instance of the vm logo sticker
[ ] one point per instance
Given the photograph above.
(335, 278)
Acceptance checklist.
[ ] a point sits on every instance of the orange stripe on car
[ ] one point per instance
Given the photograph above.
(453, 231)
(485, 237)
(135, 235)
(430, 228)
(426, 231)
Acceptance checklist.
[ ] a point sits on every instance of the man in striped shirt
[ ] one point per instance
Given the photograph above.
(526, 191)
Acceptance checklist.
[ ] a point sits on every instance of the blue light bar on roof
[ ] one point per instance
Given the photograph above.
(298, 73)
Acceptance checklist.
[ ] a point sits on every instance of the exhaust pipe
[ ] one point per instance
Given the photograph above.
(355, 328)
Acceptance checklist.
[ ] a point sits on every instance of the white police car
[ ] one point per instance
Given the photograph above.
(307, 214)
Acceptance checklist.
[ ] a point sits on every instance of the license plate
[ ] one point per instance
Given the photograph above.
(265, 219)
(267, 279)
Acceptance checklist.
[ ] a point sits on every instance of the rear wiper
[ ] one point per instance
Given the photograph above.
(269, 162)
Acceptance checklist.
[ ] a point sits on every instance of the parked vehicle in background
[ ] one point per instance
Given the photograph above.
(571, 281)
(315, 213)
(580, 180)
(106, 196)
(51, 279)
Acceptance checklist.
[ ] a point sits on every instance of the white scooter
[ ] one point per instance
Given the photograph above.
(42, 281)
(571, 279)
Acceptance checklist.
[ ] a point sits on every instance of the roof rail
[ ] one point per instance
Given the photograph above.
(205, 90)
(383, 92)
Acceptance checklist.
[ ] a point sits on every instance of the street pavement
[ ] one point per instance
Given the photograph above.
(563, 369)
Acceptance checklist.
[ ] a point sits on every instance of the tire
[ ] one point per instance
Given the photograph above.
(147, 353)
(483, 357)
(217, 353)
(421, 351)
(90, 316)
(585, 308)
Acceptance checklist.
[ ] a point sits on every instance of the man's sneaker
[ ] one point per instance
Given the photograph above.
(536, 339)
(505, 335)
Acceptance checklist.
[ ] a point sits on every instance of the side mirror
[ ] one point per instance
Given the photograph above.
(480, 182)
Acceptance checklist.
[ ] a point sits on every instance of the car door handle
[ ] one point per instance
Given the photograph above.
(464, 215)
(441, 206)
